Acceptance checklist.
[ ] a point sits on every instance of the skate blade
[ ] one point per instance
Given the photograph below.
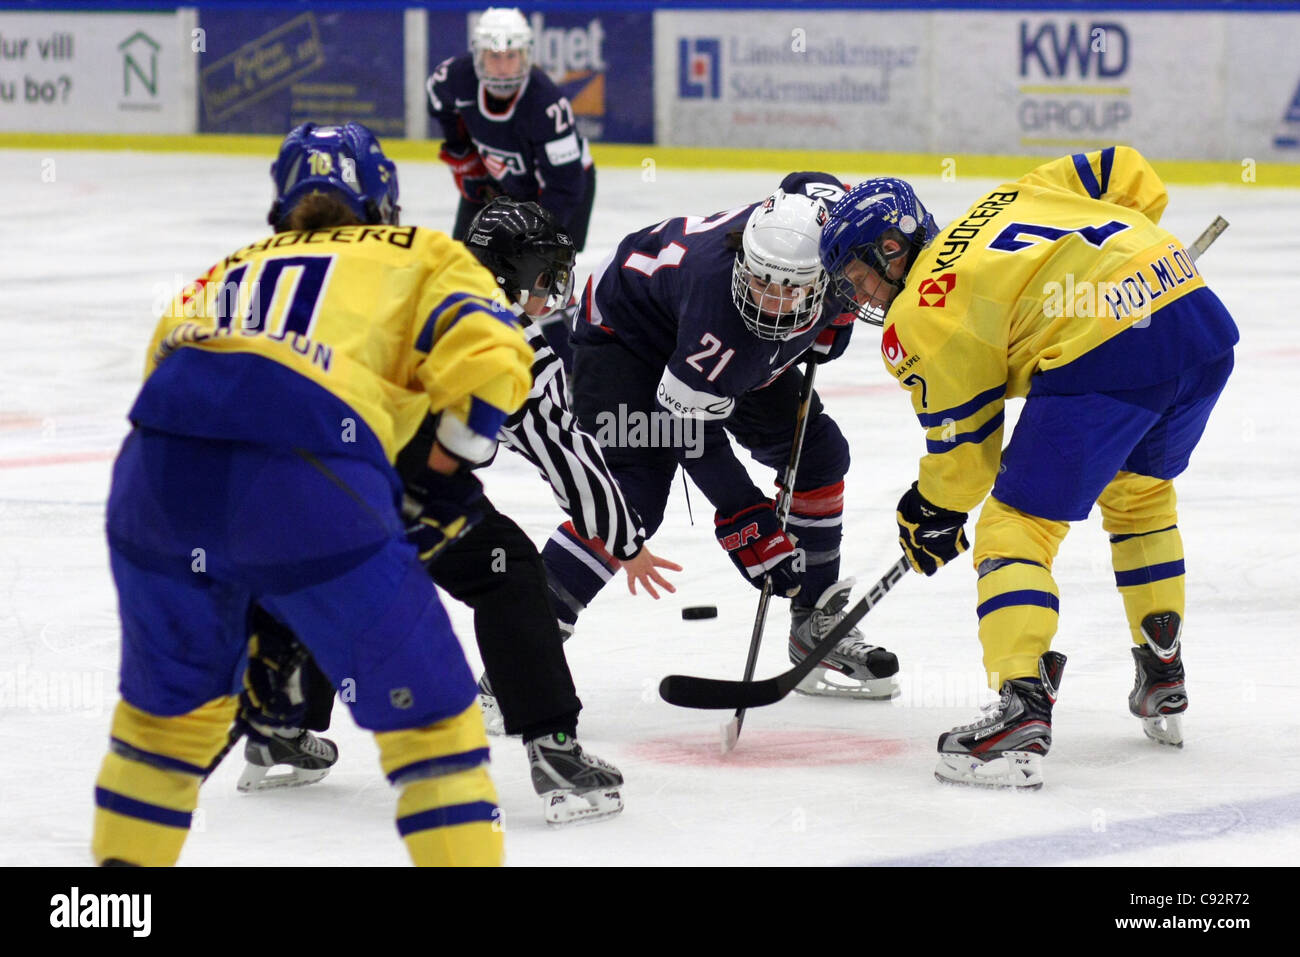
(258, 778)
(561, 808)
(493, 721)
(832, 683)
(1012, 770)
(1165, 729)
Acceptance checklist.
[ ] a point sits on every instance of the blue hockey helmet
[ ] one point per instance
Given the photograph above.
(344, 160)
(876, 224)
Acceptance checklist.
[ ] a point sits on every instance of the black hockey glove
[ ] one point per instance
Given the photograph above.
(273, 695)
(757, 546)
(440, 509)
(931, 536)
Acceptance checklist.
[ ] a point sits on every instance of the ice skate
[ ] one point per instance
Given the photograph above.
(575, 787)
(297, 758)
(1005, 747)
(854, 668)
(493, 721)
(1159, 695)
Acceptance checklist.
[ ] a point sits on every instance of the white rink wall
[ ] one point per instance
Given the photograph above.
(1191, 80)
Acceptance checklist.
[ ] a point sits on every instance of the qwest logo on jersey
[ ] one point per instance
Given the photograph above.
(934, 292)
(699, 68)
(500, 163)
(891, 348)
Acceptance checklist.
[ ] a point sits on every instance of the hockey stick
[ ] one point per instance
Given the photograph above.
(1203, 241)
(731, 730)
(686, 691)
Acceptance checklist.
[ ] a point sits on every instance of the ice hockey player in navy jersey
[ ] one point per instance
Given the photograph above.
(508, 131)
(688, 333)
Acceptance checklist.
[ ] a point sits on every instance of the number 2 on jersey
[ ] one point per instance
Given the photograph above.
(1009, 241)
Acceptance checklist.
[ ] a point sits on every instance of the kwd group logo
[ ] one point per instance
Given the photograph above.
(699, 73)
(1079, 62)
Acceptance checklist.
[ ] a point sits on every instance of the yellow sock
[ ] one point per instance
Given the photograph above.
(1018, 616)
(1140, 513)
(148, 785)
(1018, 599)
(447, 812)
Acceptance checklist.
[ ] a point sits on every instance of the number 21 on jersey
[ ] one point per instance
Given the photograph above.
(670, 256)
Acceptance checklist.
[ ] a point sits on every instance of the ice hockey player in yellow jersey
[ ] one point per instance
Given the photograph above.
(1063, 289)
(278, 389)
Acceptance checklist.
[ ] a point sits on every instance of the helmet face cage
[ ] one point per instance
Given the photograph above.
(877, 256)
(775, 308)
(501, 30)
(875, 224)
(344, 160)
(777, 280)
(526, 251)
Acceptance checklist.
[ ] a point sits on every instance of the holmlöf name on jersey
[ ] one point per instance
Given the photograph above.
(1133, 295)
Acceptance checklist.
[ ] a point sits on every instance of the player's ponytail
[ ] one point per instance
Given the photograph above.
(318, 211)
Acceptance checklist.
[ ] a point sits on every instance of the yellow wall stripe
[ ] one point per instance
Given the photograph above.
(687, 157)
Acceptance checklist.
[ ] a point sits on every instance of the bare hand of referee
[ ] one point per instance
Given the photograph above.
(642, 569)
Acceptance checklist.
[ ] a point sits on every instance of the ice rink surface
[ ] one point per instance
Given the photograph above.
(94, 242)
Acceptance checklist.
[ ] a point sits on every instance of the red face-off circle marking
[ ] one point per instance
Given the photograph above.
(769, 749)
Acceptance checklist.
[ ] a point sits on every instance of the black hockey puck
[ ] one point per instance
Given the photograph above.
(696, 612)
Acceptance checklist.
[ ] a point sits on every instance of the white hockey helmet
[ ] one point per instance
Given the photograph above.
(777, 281)
(502, 30)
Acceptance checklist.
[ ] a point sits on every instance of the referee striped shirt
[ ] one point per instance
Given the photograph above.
(545, 432)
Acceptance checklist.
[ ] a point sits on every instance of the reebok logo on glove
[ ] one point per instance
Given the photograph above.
(758, 546)
(742, 537)
(930, 536)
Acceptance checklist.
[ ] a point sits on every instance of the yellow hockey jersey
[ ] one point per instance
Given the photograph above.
(339, 341)
(1064, 273)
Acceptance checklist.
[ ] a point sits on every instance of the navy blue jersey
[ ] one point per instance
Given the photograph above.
(530, 144)
(666, 294)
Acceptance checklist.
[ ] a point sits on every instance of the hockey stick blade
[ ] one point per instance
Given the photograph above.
(1203, 241)
(687, 691)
